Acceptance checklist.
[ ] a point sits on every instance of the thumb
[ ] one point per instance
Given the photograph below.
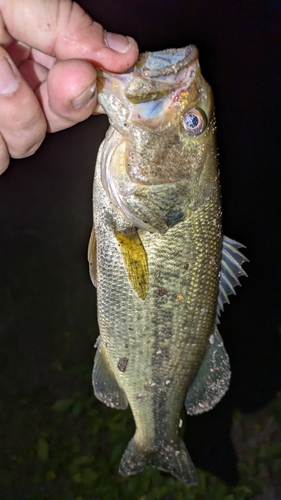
(62, 29)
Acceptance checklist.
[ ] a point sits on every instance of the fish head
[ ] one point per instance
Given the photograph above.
(163, 110)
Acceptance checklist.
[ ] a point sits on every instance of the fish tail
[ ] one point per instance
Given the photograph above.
(169, 456)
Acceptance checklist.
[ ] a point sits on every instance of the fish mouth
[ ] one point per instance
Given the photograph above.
(154, 76)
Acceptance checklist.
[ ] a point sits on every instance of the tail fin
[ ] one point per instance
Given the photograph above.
(170, 456)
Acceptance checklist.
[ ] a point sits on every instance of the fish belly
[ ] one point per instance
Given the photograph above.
(163, 338)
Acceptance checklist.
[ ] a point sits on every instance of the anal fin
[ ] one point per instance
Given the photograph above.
(106, 387)
(212, 379)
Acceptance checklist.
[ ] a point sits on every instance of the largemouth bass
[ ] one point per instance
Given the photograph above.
(157, 256)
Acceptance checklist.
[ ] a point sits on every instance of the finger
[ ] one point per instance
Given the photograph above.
(4, 155)
(69, 94)
(22, 123)
(33, 73)
(5, 37)
(25, 59)
(43, 59)
(20, 52)
(63, 30)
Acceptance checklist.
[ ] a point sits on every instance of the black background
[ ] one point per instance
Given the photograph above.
(45, 210)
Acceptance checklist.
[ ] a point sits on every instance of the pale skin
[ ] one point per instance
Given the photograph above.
(48, 53)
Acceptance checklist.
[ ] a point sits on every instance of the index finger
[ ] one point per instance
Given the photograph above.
(62, 29)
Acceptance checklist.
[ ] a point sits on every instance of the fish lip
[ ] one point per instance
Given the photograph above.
(165, 62)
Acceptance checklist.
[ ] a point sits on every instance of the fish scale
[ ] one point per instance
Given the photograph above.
(155, 257)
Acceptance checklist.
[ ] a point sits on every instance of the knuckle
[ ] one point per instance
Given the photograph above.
(24, 142)
(24, 150)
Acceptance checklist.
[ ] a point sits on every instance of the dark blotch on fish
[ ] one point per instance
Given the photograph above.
(148, 386)
(161, 292)
(122, 364)
(141, 397)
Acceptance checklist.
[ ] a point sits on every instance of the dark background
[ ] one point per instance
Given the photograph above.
(46, 213)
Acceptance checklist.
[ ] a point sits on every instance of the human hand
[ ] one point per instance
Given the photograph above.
(48, 53)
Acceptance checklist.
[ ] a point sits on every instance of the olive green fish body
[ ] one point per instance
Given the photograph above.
(155, 257)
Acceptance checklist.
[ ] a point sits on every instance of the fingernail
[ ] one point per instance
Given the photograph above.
(8, 79)
(83, 99)
(119, 43)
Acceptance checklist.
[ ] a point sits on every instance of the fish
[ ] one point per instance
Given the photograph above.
(161, 266)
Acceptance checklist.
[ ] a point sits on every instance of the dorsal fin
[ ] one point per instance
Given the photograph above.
(230, 272)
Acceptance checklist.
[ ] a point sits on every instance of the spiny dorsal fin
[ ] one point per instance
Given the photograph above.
(231, 269)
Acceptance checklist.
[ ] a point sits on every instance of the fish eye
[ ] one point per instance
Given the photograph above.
(194, 121)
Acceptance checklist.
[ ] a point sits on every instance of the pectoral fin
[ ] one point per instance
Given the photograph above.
(92, 257)
(212, 379)
(106, 387)
(135, 261)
